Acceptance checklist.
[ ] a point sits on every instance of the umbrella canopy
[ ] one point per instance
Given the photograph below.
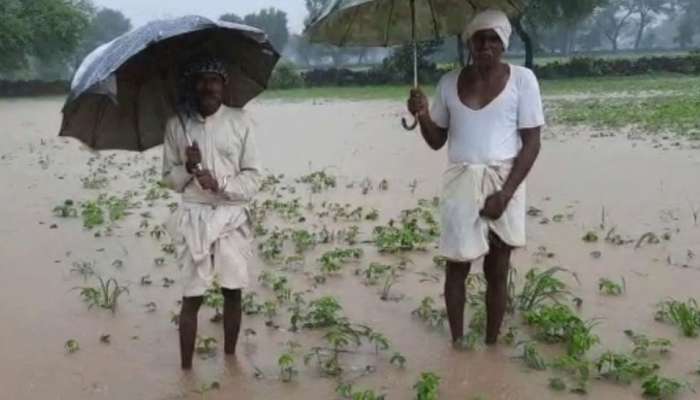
(388, 22)
(394, 22)
(125, 90)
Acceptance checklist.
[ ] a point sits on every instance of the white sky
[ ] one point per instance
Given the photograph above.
(142, 11)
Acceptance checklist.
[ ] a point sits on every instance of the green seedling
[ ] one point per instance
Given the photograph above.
(610, 288)
(644, 346)
(303, 240)
(579, 371)
(333, 261)
(71, 346)
(271, 250)
(347, 391)
(531, 357)
(85, 269)
(470, 341)
(157, 232)
(427, 387)
(373, 215)
(558, 324)
(541, 287)
(623, 368)
(398, 360)
(66, 210)
(557, 384)
(287, 362)
(350, 235)
(319, 181)
(250, 304)
(159, 261)
(657, 387)
(270, 182)
(416, 229)
(590, 237)
(92, 215)
(323, 313)
(204, 388)
(647, 238)
(685, 315)
(146, 280)
(429, 314)
(206, 346)
(213, 298)
(95, 181)
(168, 248)
(105, 295)
(270, 311)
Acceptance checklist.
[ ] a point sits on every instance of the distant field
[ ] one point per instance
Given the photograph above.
(656, 103)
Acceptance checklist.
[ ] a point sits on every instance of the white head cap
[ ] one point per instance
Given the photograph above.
(490, 19)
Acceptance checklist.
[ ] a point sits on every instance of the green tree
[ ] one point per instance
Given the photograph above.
(646, 12)
(551, 14)
(105, 25)
(613, 18)
(47, 30)
(314, 7)
(689, 11)
(274, 23)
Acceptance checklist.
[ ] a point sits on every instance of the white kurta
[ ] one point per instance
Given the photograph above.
(212, 230)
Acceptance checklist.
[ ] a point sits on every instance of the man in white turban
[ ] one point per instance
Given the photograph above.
(490, 114)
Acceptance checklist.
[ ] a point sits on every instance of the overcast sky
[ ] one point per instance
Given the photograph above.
(142, 11)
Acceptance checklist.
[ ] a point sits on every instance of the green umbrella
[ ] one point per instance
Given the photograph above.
(396, 22)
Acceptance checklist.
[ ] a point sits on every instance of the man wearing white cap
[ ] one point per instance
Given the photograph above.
(211, 158)
(490, 114)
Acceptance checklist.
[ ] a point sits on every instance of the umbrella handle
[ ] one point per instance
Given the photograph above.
(408, 127)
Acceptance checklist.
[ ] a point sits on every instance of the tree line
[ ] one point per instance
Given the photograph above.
(48, 38)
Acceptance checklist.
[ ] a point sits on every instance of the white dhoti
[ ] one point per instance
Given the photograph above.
(213, 245)
(465, 233)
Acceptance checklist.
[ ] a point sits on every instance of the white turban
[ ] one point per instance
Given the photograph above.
(490, 19)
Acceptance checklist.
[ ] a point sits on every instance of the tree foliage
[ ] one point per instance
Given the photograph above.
(48, 30)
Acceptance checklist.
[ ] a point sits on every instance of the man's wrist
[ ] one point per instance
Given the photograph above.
(507, 192)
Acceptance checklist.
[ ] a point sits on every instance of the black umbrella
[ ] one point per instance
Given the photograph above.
(125, 90)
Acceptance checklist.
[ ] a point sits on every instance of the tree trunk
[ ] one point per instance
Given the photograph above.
(640, 31)
(527, 41)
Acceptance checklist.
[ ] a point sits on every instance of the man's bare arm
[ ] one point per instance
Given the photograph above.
(524, 161)
(435, 136)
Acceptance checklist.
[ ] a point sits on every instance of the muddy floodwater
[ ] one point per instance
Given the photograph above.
(584, 181)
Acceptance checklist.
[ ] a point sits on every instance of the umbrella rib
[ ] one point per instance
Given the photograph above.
(347, 31)
(388, 23)
(515, 6)
(435, 21)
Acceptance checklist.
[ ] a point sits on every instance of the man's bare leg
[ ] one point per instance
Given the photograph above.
(455, 296)
(496, 266)
(188, 329)
(232, 318)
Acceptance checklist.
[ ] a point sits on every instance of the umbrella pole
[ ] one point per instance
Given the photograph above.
(415, 63)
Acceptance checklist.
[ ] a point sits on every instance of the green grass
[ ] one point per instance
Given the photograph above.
(675, 114)
(673, 109)
(387, 92)
(629, 84)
